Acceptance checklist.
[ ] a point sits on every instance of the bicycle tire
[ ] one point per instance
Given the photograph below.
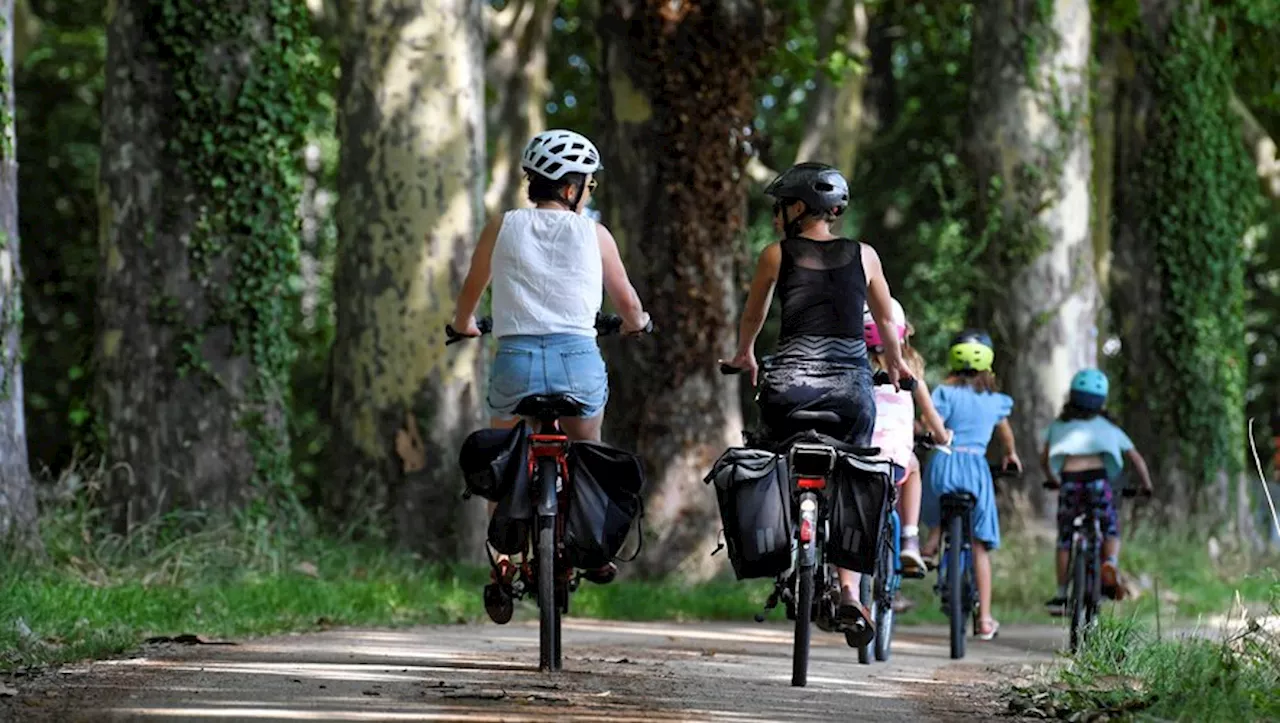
(804, 614)
(548, 611)
(955, 585)
(1078, 597)
(882, 615)
(865, 593)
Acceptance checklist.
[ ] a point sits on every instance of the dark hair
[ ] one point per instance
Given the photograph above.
(978, 381)
(1071, 412)
(542, 188)
(830, 216)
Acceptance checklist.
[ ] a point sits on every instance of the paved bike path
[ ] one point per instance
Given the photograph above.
(614, 671)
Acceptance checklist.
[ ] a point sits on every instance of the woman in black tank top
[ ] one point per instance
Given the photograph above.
(821, 361)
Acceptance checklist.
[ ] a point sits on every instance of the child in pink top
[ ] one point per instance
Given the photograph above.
(895, 432)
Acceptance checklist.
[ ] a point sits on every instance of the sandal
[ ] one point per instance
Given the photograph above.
(855, 620)
(991, 633)
(601, 575)
(498, 602)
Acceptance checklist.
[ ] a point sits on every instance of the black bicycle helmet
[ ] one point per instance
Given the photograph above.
(820, 186)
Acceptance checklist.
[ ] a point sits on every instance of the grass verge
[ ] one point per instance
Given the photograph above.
(99, 594)
(1126, 671)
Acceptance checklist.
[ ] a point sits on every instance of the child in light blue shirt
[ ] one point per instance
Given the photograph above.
(1083, 451)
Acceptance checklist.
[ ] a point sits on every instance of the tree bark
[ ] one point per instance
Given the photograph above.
(676, 97)
(411, 186)
(836, 112)
(1029, 130)
(517, 73)
(1177, 275)
(17, 490)
(193, 349)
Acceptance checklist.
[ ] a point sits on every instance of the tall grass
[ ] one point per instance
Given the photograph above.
(1126, 669)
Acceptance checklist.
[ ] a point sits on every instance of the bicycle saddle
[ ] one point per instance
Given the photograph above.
(550, 406)
(965, 499)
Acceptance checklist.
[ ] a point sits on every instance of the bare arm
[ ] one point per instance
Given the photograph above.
(618, 285)
(478, 277)
(759, 298)
(929, 413)
(1140, 466)
(1044, 464)
(878, 298)
(1004, 431)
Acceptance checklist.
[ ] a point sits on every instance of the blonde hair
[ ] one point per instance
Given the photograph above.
(914, 361)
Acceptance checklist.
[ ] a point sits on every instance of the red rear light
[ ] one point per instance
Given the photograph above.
(811, 483)
(806, 531)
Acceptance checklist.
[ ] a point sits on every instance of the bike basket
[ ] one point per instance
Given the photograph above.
(492, 459)
(604, 503)
(753, 491)
(860, 498)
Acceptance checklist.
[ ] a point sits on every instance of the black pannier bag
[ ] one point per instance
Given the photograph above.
(604, 504)
(860, 498)
(492, 459)
(754, 494)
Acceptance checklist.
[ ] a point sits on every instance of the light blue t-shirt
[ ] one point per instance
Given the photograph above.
(1081, 437)
(973, 416)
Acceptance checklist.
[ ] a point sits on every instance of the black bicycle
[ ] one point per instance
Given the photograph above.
(957, 584)
(1084, 582)
(811, 592)
(548, 570)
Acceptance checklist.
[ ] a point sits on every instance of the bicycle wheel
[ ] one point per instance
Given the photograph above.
(955, 584)
(1078, 597)
(885, 588)
(548, 611)
(866, 593)
(804, 613)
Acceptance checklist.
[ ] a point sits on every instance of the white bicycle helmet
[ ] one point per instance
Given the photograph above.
(557, 152)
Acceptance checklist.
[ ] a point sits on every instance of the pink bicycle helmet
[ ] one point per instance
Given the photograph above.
(871, 330)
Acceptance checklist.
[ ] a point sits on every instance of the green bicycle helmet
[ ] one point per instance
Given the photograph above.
(971, 351)
(1089, 389)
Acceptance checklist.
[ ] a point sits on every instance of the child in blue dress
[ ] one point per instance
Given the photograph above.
(1083, 451)
(974, 409)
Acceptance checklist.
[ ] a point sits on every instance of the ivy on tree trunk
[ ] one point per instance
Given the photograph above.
(203, 118)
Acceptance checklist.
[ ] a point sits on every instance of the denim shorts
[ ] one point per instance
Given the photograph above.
(526, 365)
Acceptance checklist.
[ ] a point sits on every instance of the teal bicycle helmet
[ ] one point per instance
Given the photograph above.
(971, 351)
(1089, 389)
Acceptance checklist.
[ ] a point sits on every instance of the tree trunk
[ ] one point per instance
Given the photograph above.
(517, 74)
(1177, 277)
(676, 97)
(1029, 130)
(202, 118)
(836, 112)
(17, 490)
(411, 185)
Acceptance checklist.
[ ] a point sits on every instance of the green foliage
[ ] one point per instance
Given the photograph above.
(1195, 215)
(58, 91)
(239, 147)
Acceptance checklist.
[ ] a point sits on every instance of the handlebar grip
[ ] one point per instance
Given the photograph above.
(1135, 492)
(729, 369)
(881, 378)
(484, 324)
(1049, 485)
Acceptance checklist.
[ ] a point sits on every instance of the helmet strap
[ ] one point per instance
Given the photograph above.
(579, 191)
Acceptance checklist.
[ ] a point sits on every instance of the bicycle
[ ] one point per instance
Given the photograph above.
(882, 587)
(810, 589)
(548, 460)
(957, 585)
(1084, 583)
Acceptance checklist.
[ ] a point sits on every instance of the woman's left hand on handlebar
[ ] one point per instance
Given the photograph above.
(745, 361)
(629, 330)
(466, 327)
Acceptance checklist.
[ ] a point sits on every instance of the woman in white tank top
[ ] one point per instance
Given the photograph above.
(548, 266)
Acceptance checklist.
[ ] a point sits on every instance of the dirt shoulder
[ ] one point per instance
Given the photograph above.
(613, 671)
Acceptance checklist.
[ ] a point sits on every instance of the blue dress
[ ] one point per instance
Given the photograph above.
(973, 417)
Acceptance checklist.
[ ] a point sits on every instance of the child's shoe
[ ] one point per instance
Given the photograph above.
(912, 562)
(1057, 607)
(1111, 586)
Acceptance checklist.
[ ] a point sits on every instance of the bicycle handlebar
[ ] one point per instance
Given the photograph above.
(880, 378)
(1128, 491)
(606, 325)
